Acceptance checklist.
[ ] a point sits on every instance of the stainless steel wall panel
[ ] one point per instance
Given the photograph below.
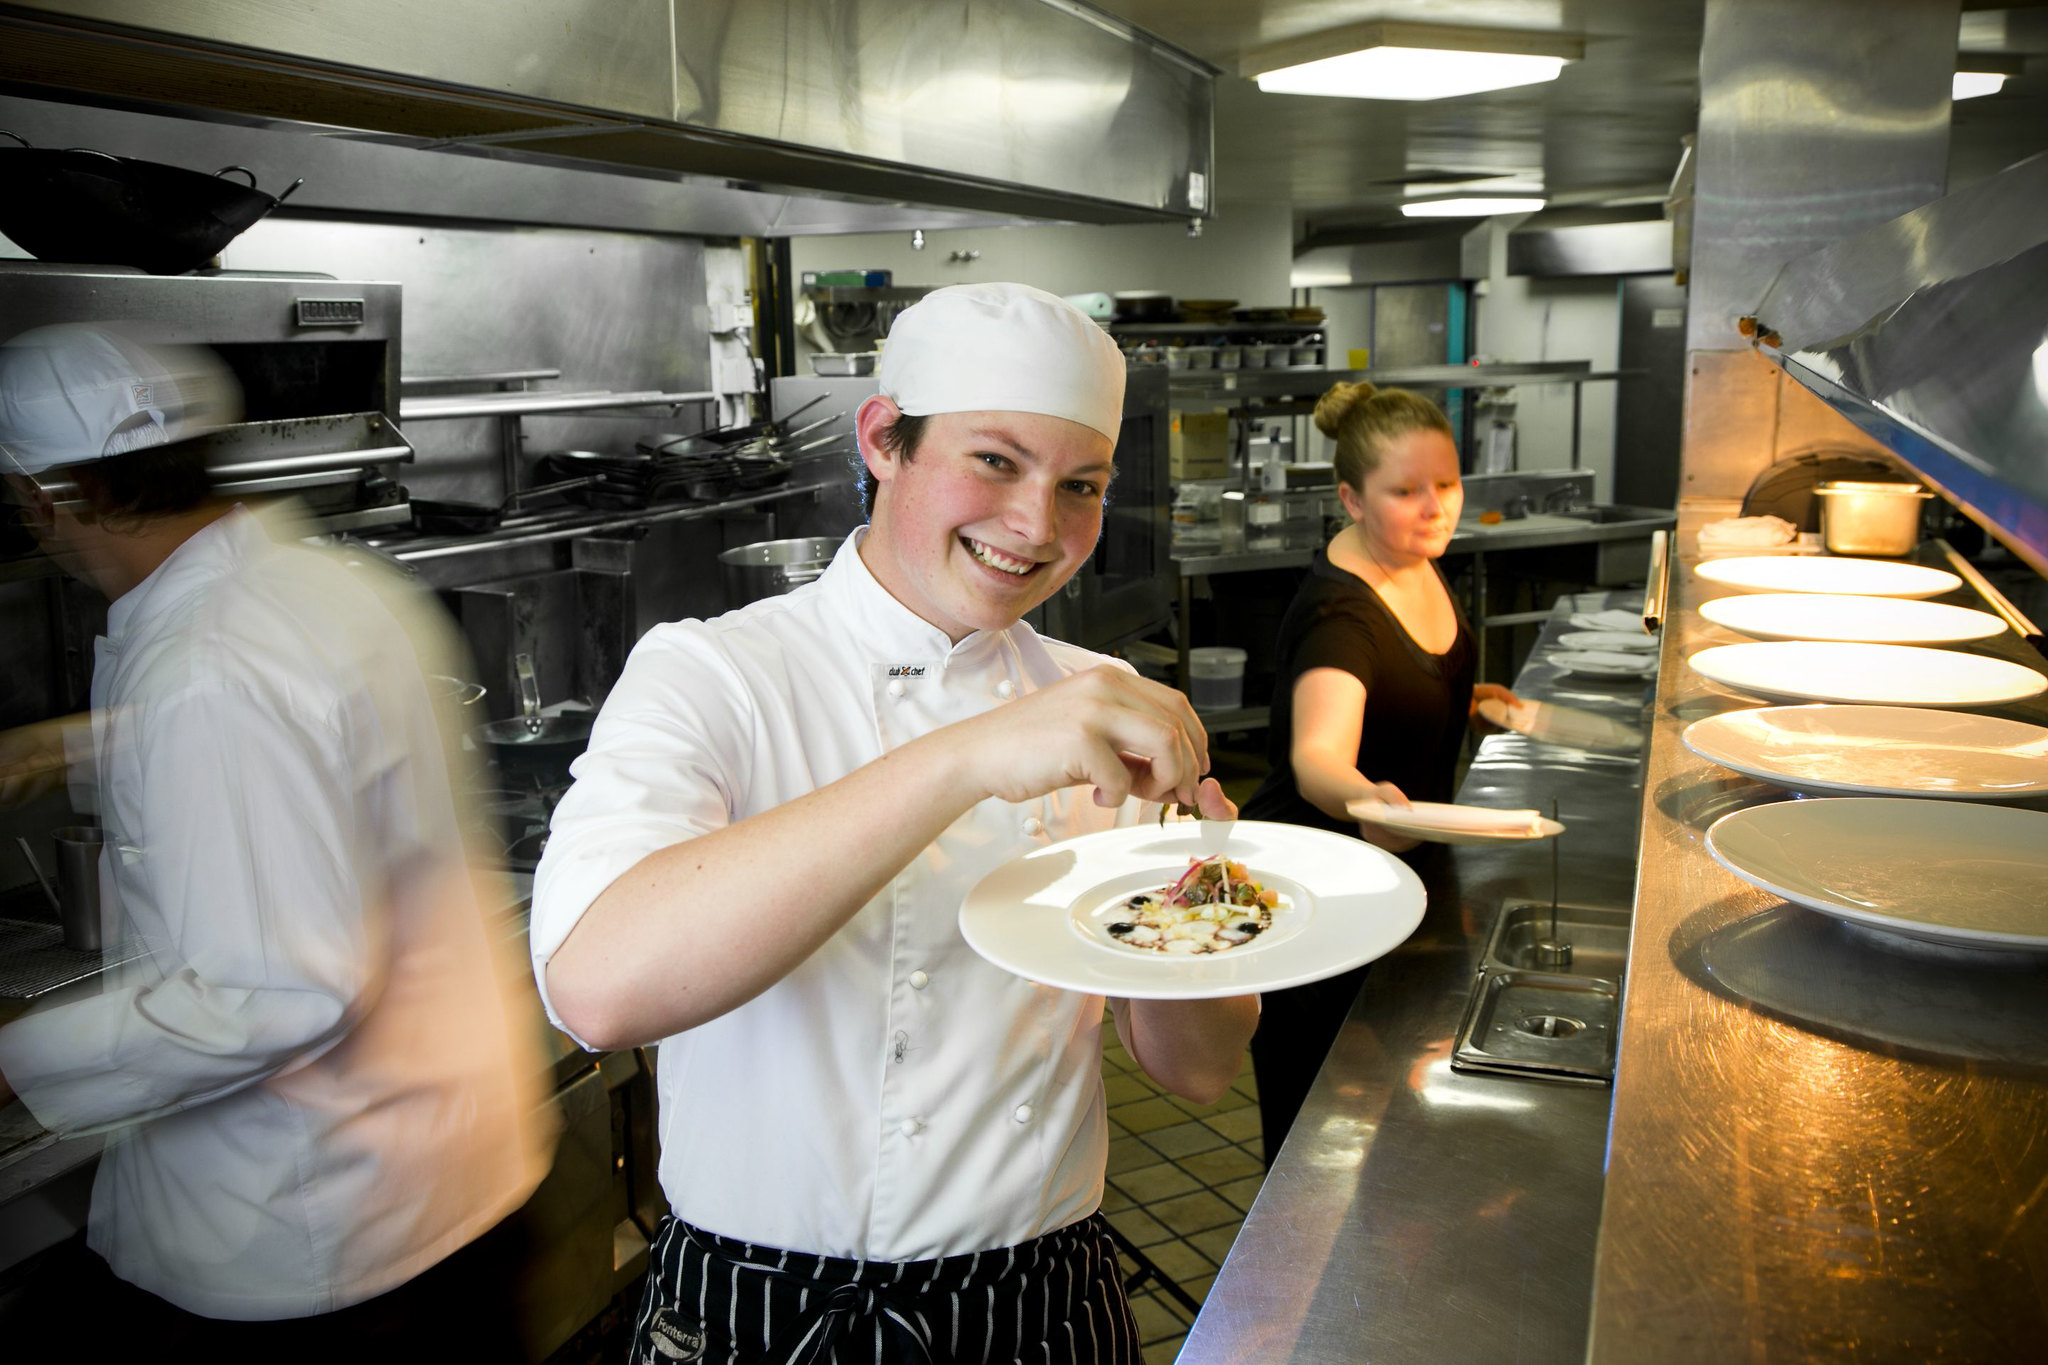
(1818, 118)
(1019, 107)
(1011, 90)
(600, 54)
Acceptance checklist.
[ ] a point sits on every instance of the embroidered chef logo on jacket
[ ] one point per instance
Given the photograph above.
(906, 671)
(669, 1338)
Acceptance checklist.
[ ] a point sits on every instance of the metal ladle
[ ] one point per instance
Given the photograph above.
(1550, 950)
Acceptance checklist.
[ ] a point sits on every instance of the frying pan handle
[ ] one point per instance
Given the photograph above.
(31, 146)
(288, 191)
(243, 169)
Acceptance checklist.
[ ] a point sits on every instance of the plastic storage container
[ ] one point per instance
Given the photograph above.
(1216, 678)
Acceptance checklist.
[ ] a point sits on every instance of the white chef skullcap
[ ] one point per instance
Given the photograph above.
(1003, 348)
(70, 394)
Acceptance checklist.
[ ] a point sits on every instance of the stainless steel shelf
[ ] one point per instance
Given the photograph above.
(530, 403)
(442, 381)
(1237, 385)
(864, 293)
(570, 525)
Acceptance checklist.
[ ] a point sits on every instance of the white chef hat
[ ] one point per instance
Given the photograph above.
(69, 394)
(1003, 348)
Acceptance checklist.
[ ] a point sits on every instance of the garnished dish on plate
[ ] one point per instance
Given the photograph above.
(1214, 906)
(1066, 914)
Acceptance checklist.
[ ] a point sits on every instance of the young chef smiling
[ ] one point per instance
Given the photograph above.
(869, 1135)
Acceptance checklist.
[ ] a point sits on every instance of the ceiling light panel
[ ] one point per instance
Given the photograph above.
(1968, 85)
(1469, 208)
(1392, 61)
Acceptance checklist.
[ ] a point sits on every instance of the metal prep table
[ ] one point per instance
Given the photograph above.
(1417, 1213)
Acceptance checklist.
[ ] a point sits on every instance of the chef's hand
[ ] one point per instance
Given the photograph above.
(32, 760)
(1394, 842)
(1123, 735)
(1489, 692)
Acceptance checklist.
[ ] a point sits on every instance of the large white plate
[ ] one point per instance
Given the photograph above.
(1881, 750)
(1945, 871)
(1899, 675)
(1044, 915)
(1438, 822)
(1869, 620)
(1548, 723)
(1626, 641)
(1603, 663)
(1829, 573)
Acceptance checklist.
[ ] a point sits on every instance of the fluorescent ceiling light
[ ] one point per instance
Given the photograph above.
(1392, 61)
(1411, 73)
(1469, 208)
(1970, 84)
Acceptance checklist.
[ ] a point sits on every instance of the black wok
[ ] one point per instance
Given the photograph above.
(90, 208)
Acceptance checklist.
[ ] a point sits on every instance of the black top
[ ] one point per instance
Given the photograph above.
(1416, 703)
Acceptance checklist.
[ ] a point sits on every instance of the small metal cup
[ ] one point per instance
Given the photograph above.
(78, 884)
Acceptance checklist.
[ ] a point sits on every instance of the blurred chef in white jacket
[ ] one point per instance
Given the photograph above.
(876, 1144)
(318, 1085)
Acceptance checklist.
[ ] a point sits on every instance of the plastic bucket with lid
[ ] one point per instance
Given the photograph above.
(1216, 678)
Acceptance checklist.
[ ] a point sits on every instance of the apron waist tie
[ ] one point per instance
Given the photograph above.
(835, 1311)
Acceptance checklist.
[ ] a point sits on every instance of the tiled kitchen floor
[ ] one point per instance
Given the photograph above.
(1181, 1176)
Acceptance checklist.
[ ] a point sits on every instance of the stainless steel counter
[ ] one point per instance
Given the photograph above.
(1780, 1189)
(1417, 1213)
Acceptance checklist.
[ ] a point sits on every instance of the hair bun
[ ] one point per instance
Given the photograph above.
(1337, 403)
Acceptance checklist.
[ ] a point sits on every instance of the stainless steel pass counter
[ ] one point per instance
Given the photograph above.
(1794, 1174)
(1422, 1213)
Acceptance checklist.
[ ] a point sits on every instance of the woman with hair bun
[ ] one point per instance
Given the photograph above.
(1375, 684)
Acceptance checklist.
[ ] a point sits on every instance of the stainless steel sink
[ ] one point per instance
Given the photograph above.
(1615, 513)
(1533, 1012)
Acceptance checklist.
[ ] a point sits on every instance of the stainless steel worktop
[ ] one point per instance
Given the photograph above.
(1417, 1213)
(1780, 1189)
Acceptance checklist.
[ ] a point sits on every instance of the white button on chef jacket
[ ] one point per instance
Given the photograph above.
(787, 1122)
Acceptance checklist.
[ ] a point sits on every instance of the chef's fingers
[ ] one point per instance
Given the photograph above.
(1215, 805)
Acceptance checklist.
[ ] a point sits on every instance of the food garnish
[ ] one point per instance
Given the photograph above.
(1214, 907)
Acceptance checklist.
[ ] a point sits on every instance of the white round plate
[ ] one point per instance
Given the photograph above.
(1945, 871)
(1608, 640)
(1867, 620)
(1045, 915)
(1878, 750)
(1614, 618)
(1604, 663)
(1437, 822)
(1830, 574)
(1548, 723)
(1896, 675)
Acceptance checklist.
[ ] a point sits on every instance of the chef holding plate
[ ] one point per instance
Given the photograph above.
(869, 1134)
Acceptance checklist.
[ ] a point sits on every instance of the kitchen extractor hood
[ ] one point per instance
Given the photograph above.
(1037, 108)
(1930, 332)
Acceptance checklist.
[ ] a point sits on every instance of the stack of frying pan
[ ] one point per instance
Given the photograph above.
(705, 466)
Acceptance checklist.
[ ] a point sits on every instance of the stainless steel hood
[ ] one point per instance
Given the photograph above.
(1041, 108)
(1930, 332)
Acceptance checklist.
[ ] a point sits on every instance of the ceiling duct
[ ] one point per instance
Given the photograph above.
(1930, 332)
(1039, 108)
(1591, 242)
(1343, 258)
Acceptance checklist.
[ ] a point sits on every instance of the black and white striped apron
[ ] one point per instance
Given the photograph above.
(1055, 1300)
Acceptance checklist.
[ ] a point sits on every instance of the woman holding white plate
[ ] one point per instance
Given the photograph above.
(1375, 684)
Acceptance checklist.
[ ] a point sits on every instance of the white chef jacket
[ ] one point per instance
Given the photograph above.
(895, 1097)
(313, 1085)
